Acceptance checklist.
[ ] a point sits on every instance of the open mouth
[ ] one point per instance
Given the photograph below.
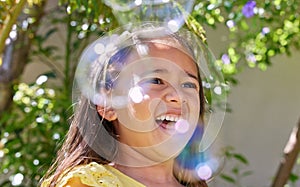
(167, 121)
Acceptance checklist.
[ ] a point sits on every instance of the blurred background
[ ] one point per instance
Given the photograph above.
(256, 44)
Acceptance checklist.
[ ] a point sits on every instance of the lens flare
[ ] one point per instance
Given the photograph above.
(173, 25)
(136, 94)
(204, 172)
(182, 126)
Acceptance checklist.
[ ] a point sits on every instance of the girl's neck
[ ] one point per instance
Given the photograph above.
(155, 175)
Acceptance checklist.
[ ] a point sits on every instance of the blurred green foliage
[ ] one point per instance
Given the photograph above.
(35, 125)
(258, 30)
(31, 132)
(237, 170)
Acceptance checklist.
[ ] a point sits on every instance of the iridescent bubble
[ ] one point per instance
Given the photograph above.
(172, 13)
(105, 77)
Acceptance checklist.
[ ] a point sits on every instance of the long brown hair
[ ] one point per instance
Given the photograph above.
(76, 149)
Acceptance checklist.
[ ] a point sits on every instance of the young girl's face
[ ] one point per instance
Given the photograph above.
(157, 99)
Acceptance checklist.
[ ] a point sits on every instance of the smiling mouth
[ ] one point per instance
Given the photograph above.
(167, 121)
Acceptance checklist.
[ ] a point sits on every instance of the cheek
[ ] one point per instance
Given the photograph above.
(194, 104)
(145, 107)
(141, 111)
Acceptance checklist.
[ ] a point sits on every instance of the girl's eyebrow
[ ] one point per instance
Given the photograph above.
(166, 71)
(192, 76)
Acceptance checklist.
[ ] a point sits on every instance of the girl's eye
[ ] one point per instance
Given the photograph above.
(153, 81)
(189, 85)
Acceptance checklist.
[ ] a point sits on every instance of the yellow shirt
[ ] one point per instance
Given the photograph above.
(94, 175)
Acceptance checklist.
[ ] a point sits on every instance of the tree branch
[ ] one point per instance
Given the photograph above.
(9, 22)
(15, 57)
(291, 152)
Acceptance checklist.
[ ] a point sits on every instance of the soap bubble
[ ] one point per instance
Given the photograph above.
(171, 13)
(97, 79)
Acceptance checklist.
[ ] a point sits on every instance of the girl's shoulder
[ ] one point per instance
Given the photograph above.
(94, 175)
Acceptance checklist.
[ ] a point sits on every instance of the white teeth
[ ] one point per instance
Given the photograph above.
(173, 118)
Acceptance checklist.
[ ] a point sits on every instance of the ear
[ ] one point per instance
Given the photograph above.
(107, 113)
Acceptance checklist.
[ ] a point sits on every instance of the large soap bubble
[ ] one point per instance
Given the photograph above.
(170, 12)
(114, 71)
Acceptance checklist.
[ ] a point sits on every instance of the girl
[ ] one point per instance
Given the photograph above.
(139, 107)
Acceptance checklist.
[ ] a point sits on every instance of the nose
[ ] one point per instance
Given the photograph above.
(172, 95)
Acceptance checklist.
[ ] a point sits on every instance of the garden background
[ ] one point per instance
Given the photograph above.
(257, 47)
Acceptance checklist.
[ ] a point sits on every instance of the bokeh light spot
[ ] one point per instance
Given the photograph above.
(136, 94)
(230, 23)
(173, 25)
(99, 48)
(1, 153)
(39, 120)
(17, 179)
(204, 172)
(56, 136)
(41, 79)
(36, 162)
(18, 154)
(218, 90)
(138, 2)
(182, 126)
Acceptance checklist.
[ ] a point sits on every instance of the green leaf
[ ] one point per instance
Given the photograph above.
(96, 5)
(241, 158)
(228, 178)
(247, 173)
(293, 177)
(235, 170)
(50, 74)
(49, 33)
